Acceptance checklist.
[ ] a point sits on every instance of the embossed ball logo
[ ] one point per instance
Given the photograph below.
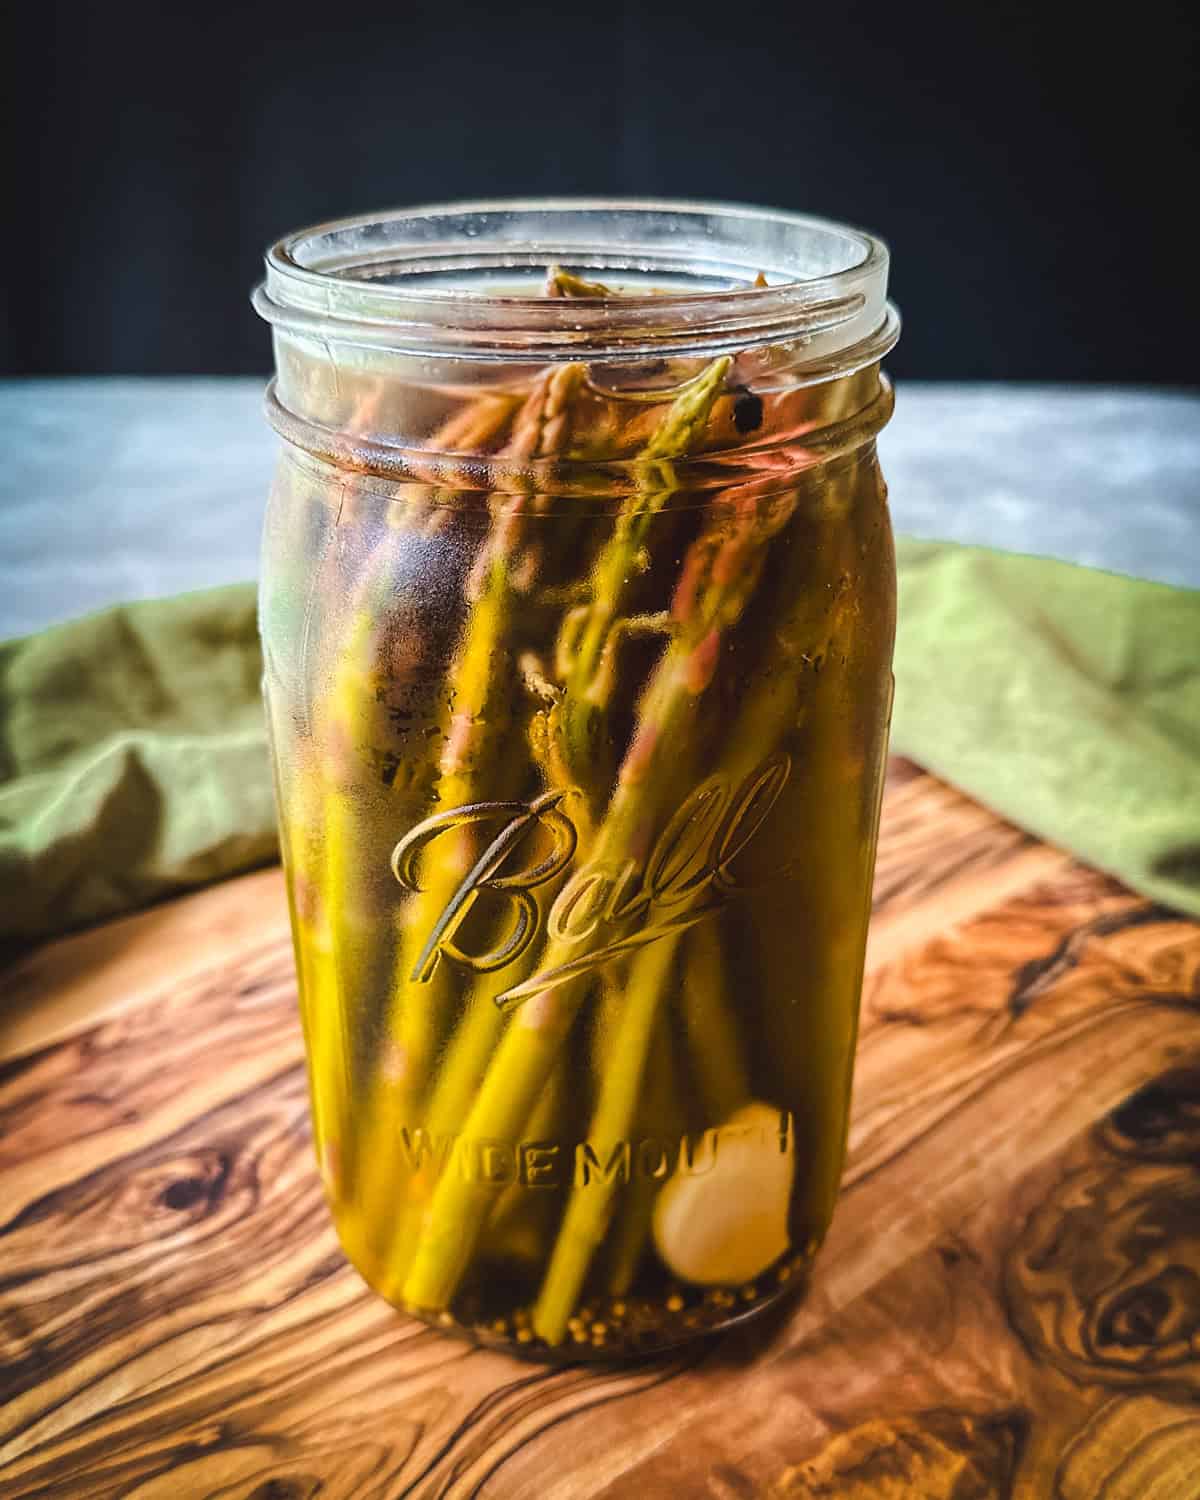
(612, 907)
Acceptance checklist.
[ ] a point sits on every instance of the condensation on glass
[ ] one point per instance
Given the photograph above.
(577, 608)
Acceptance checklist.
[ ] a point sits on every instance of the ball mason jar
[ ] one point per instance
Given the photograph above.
(577, 606)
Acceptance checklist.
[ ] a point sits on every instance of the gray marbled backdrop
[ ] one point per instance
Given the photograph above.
(127, 488)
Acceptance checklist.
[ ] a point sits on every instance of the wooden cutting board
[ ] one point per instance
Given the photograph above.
(1008, 1304)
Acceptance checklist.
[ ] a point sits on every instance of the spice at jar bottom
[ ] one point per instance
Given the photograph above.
(578, 678)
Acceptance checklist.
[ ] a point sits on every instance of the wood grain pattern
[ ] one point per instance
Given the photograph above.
(1008, 1304)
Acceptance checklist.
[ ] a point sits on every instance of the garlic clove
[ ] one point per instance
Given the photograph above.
(729, 1224)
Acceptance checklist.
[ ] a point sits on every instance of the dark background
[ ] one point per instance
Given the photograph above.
(1033, 166)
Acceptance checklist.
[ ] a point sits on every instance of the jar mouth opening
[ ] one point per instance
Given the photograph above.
(467, 279)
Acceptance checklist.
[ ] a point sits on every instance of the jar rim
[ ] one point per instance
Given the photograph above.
(438, 278)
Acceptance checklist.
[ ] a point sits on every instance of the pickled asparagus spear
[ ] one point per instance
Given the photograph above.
(813, 620)
(659, 1117)
(481, 730)
(485, 674)
(716, 583)
(809, 1029)
(592, 634)
(478, 760)
(486, 687)
(562, 283)
(333, 843)
(321, 1014)
(711, 1061)
(590, 1209)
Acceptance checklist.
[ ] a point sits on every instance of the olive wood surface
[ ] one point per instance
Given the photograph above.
(1008, 1304)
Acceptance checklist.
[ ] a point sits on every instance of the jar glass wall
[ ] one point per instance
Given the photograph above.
(577, 607)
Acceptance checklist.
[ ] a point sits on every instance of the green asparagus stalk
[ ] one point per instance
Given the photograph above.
(592, 634)
(477, 750)
(392, 1212)
(764, 719)
(715, 585)
(321, 1012)
(562, 283)
(522, 1224)
(716, 1057)
(337, 932)
(479, 737)
(485, 676)
(712, 1059)
(485, 680)
(333, 839)
(588, 1213)
(810, 1024)
(659, 1117)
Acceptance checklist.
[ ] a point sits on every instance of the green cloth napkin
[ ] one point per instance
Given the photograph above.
(1065, 698)
(133, 757)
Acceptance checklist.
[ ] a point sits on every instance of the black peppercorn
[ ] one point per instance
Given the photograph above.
(747, 412)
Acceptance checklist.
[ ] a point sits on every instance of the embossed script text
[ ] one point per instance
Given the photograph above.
(608, 906)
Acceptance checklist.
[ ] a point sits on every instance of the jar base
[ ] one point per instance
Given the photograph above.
(628, 1330)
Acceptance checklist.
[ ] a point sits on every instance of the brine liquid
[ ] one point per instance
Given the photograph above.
(579, 936)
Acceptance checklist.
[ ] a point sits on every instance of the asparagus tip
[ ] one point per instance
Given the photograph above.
(563, 283)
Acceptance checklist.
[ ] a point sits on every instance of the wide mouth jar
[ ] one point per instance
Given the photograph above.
(577, 606)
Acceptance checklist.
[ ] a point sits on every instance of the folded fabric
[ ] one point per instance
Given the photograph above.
(133, 757)
(1065, 698)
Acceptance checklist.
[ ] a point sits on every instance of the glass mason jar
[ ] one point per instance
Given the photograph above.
(577, 607)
